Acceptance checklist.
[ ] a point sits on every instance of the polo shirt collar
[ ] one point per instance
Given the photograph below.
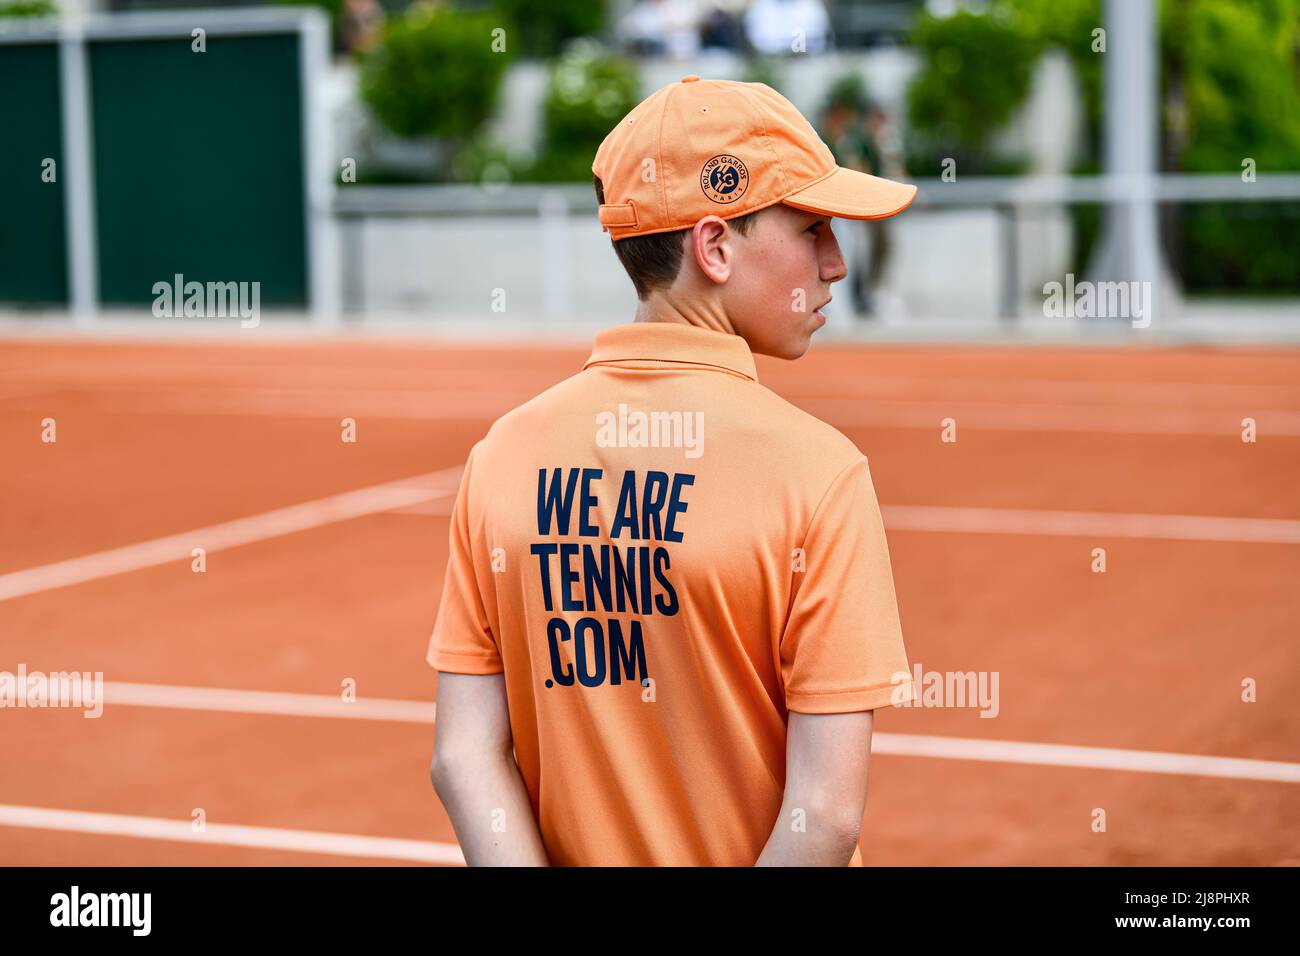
(673, 342)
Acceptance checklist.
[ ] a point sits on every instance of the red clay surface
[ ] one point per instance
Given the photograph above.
(156, 439)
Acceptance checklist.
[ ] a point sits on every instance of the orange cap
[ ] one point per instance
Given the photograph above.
(726, 148)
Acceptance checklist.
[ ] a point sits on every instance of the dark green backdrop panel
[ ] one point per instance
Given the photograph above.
(33, 266)
(198, 165)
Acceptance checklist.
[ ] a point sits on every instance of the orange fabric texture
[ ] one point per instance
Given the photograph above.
(660, 591)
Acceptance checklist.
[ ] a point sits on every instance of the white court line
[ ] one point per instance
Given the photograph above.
(432, 405)
(1005, 416)
(437, 485)
(267, 702)
(229, 534)
(434, 506)
(202, 371)
(925, 416)
(340, 844)
(894, 744)
(1099, 758)
(226, 834)
(1090, 524)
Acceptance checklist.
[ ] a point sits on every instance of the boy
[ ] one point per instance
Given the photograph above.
(669, 611)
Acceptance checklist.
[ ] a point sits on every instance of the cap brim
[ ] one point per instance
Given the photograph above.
(850, 194)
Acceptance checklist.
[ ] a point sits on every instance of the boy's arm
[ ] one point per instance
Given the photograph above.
(475, 774)
(825, 778)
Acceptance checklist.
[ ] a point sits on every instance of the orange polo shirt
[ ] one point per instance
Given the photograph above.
(664, 557)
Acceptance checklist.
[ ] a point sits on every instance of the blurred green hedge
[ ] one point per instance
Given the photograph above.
(1232, 93)
(29, 8)
(435, 74)
(974, 74)
(588, 91)
(542, 30)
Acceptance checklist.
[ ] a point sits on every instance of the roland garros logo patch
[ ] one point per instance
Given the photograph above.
(724, 179)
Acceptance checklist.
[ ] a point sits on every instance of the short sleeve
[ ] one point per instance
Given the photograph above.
(462, 640)
(842, 646)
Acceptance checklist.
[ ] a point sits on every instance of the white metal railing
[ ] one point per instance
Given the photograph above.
(1010, 197)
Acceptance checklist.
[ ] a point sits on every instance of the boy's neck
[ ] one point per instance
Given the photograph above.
(703, 315)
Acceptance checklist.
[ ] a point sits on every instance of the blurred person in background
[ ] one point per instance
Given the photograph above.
(885, 158)
(361, 24)
(772, 26)
(844, 128)
(722, 25)
(861, 136)
(662, 28)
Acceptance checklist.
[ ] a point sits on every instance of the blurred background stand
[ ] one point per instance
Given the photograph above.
(1129, 249)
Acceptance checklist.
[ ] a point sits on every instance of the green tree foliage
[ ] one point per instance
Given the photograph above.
(434, 73)
(1238, 61)
(588, 92)
(29, 8)
(1232, 93)
(1069, 26)
(974, 74)
(542, 29)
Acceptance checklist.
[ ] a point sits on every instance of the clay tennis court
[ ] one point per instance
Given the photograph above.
(1118, 691)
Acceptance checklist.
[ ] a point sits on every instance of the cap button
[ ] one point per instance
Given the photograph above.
(690, 79)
